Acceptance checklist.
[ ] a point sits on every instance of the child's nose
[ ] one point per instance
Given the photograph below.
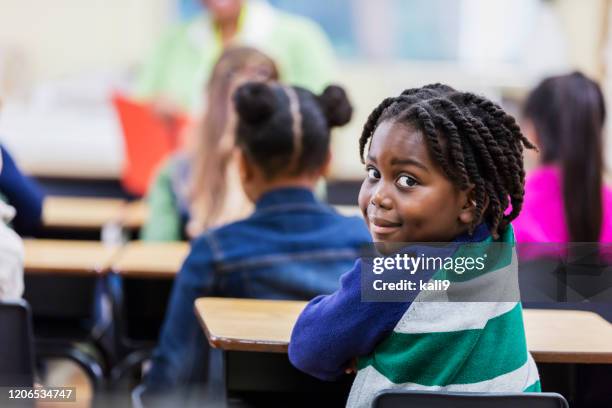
(381, 198)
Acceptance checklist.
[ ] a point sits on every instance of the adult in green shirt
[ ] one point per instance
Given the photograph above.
(181, 64)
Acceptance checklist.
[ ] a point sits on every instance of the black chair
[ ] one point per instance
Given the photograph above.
(16, 345)
(425, 399)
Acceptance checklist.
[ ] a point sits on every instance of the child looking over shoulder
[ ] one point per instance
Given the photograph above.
(442, 166)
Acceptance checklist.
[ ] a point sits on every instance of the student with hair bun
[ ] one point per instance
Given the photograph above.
(291, 247)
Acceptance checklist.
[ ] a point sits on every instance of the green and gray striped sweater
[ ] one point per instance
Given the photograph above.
(469, 338)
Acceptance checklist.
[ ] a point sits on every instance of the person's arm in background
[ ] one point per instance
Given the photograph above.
(164, 220)
(23, 194)
(180, 358)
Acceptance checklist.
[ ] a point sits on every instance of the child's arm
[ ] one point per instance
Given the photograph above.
(336, 328)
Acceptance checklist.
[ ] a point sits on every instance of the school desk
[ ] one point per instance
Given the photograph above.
(81, 212)
(62, 285)
(67, 257)
(255, 333)
(147, 271)
(61, 275)
(254, 350)
(135, 214)
(553, 336)
(568, 336)
(139, 259)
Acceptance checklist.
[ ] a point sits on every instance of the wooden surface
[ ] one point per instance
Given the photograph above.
(151, 259)
(248, 324)
(67, 257)
(568, 336)
(135, 214)
(80, 212)
(553, 336)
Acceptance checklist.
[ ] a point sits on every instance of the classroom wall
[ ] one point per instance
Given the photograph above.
(59, 60)
(583, 24)
(394, 76)
(72, 38)
(42, 40)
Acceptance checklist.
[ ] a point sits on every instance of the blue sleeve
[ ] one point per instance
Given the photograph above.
(336, 328)
(181, 356)
(23, 194)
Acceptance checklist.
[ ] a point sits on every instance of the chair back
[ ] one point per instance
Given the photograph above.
(425, 399)
(16, 345)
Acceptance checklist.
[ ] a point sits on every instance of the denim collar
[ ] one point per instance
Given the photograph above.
(285, 196)
(480, 234)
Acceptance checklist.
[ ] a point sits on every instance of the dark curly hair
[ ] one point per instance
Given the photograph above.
(473, 140)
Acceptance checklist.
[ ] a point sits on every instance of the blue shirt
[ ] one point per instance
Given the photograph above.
(291, 247)
(23, 194)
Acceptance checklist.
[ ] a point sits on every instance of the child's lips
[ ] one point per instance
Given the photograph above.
(381, 226)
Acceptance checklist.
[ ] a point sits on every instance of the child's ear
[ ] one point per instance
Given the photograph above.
(467, 214)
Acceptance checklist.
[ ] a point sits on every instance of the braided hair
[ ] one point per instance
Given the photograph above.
(472, 139)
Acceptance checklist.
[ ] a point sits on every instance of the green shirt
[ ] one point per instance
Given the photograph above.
(164, 221)
(182, 62)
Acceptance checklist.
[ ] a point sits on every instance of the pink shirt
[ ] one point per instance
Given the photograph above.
(542, 218)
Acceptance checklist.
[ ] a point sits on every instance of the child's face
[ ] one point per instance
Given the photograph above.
(406, 197)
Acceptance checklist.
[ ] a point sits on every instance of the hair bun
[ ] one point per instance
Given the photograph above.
(255, 102)
(336, 106)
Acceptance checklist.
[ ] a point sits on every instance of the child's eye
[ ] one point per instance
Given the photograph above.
(373, 174)
(406, 181)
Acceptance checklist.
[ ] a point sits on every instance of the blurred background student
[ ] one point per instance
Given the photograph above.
(565, 196)
(184, 58)
(292, 247)
(22, 193)
(567, 201)
(199, 187)
(11, 250)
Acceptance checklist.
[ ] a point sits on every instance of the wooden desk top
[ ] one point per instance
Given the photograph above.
(568, 336)
(47, 256)
(559, 336)
(81, 212)
(135, 214)
(151, 259)
(248, 324)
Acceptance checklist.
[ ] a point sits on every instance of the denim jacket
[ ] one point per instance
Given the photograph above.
(291, 247)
